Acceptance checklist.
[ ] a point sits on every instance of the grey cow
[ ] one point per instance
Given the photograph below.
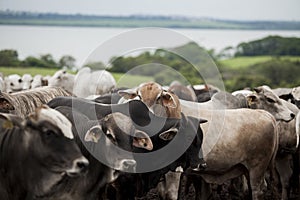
(25, 102)
(37, 153)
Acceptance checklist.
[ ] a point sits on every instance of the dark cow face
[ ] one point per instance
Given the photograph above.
(116, 135)
(50, 142)
(189, 133)
(266, 99)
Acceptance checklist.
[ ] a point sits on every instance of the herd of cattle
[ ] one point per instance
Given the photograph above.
(59, 141)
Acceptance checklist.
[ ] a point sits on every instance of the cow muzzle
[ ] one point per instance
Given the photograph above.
(79, 166)
(128, 165)
(201, 166)
(288, 117)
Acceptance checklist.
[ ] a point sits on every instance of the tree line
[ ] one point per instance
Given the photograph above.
(272, 45)
(10, 58)
(197, 61)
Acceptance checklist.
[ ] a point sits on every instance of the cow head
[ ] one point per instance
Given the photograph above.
(26, 80)
(296, 96)
(115, 135)
(296, 93)
(62, 79)
(6, 105)
(40, 150)
(266, 99)
(13, 83)
(49, 139)
(159, 101)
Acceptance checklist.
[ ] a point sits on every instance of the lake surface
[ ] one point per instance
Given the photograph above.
(80, 42)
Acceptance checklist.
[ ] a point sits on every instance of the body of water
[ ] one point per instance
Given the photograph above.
(80, 42)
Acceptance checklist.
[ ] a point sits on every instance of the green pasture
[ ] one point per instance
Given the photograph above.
(241, 62)
(128, 80)
(26, 70)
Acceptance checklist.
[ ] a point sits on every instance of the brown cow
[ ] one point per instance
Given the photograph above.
(159, 101)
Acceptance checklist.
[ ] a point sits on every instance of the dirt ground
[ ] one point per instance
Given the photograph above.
(219, 193)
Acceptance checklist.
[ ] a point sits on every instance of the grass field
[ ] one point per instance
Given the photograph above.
(128, 80)
(125, 80)
(241, 62)
(23, 70)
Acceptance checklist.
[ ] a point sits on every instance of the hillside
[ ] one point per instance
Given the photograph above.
(133, 21)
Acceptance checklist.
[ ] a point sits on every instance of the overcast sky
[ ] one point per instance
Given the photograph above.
(220, 9)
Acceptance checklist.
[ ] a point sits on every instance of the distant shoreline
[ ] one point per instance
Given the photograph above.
(136, 21)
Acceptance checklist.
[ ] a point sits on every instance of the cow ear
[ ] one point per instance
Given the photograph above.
(142, 140)
(128, 94)
(251, 99)
(93, 134)
(262, 89)
(169, 134)
(5, 122)
(6, 105)
(168, 100)
(202, 121)
(258, 90)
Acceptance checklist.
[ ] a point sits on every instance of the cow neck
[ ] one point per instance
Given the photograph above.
(97, 175)
(13, 161)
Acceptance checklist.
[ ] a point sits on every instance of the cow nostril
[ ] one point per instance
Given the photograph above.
(292, 115)
(82, 165)
(79, 166)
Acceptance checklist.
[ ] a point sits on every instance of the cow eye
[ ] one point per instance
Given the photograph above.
(270, 100)
(11, 84)
(20, 80)
(48, 132)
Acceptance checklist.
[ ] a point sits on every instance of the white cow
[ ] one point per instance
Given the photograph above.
(88, 82)
(62, 79)
(26, 81)
(37, 81)
(13, 83)
(243, 92)
(263, 99)
(296, 93)
(237, 142)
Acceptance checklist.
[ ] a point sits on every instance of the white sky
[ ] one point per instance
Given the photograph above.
(219, 9)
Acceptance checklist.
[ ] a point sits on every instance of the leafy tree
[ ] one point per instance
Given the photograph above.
(9, 58)
(48, 60)
(45, 61)
(67, 61)
(31, 61)
(272, 45)
(96, 65)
